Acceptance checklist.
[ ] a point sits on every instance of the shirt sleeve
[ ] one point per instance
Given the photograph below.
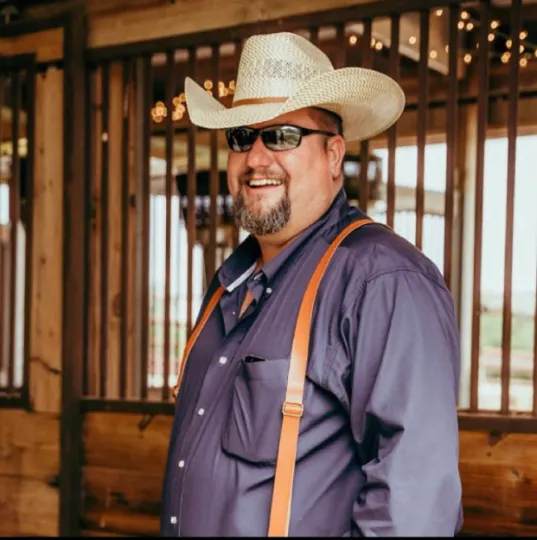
(403, 407)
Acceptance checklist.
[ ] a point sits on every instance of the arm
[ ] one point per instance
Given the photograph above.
(403, 407)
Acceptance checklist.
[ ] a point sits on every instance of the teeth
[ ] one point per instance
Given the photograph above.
(264, 182)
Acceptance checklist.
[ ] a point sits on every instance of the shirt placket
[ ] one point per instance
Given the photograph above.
(218, 373)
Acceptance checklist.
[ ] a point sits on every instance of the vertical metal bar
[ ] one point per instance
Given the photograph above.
(3, 358)
(90, 148)
(423, 68)
(214, 186)
(29, 196)
(124, 265)
(103, 354)
(340, 59)
(452, 112)
(314, 35)
(535, 352)
(394, 68)
(170, 90)
(482, 112)
(14, 217)
(367, 62)
(235, 229)
(153, 314)
(191, 203)
(512, 115)
(146, 320)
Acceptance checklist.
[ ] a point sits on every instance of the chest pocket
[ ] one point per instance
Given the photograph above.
(254, 421)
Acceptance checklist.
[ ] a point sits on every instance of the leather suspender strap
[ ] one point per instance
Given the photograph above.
(293, 408)
(194, 336)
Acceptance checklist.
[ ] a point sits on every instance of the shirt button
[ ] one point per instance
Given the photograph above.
(201, 411)
(269, 290)
(181, 464)
(173, 520)
(222, 360)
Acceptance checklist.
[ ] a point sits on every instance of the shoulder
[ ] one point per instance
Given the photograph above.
(375, 250)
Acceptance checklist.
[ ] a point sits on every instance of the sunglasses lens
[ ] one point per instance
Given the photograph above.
(240, 139)
(281, 138)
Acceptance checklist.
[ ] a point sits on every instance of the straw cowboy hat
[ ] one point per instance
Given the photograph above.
(283, 72)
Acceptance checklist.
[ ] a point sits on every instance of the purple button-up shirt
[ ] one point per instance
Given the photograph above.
(378, 445)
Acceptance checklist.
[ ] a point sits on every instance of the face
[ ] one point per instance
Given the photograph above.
(277, 194)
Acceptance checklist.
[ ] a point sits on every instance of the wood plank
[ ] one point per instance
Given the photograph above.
(123, 490)
(47, 257)
(28, 507)
(29, 444)
(113, 235)
(47, 45)
(499, 476)
(189, 16)
(123, 441)
(121, 523)
(95, 237)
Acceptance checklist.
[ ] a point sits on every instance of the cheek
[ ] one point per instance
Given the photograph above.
(305, 169)
(235, 167)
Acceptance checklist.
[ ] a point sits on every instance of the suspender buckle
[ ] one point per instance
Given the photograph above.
(290, 408)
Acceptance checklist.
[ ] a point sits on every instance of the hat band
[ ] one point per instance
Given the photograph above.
(259, 101)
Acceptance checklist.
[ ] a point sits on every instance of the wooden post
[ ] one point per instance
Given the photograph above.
(76, 195)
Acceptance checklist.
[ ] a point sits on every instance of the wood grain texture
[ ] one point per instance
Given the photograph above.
(125, 465)
(29, 468)
(125, 442)
(499, 475)
(47, 256)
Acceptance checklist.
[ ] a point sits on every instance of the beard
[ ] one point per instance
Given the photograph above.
(262, 222)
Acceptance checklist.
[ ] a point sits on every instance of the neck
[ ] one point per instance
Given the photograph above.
(270, 247)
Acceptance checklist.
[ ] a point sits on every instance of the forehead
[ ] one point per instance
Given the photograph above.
(302, 117)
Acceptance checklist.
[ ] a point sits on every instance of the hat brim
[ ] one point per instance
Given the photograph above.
(368, 102)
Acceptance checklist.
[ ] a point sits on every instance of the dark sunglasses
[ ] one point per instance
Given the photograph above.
(276, 138)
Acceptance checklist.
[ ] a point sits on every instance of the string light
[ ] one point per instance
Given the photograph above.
(159, 112)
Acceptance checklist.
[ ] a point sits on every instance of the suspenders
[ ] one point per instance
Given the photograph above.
(292, 407)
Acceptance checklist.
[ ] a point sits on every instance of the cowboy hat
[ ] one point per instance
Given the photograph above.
(283, 72)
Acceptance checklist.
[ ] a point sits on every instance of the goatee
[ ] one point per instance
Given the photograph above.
(262, 223)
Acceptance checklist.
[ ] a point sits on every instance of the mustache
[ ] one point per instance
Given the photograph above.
(250, 174)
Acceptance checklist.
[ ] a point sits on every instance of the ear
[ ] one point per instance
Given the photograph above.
(336, 149)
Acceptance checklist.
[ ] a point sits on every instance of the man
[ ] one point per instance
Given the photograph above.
(378, 441)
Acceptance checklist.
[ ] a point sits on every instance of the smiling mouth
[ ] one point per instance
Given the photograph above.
(263, 182)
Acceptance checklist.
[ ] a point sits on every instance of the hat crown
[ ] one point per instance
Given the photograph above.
(276, 65)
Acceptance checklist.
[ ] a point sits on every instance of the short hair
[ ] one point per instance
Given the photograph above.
(329, 120)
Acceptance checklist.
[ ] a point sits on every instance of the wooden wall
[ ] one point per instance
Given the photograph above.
(29, 441)
(125, 458)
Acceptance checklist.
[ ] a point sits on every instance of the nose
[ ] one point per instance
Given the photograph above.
(259, 155)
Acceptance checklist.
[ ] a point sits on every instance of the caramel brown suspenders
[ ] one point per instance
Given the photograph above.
(292, 407)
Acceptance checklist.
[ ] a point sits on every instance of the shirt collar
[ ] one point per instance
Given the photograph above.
(241, 264)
